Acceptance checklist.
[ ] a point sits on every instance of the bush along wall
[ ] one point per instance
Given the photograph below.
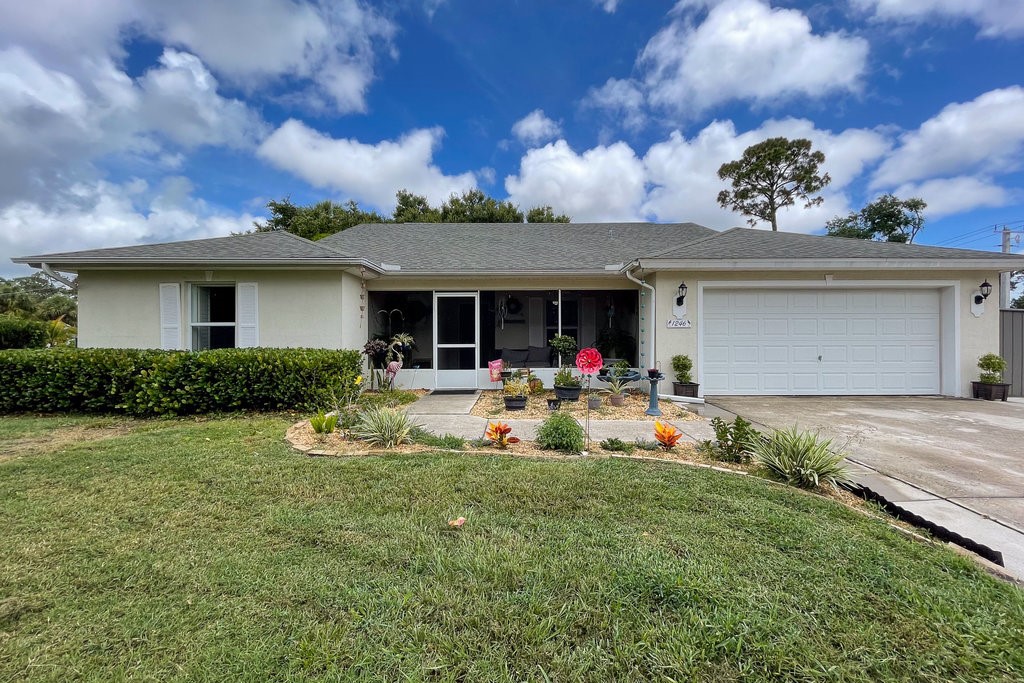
(147, 382)
(18, 333)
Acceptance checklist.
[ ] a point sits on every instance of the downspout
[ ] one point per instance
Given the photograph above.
(45, 267)
(654, 303)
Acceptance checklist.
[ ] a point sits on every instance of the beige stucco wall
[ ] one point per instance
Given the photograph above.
(976, 335)
(319, 309)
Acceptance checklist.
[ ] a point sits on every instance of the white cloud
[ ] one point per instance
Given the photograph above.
(602, 184)
(622, 98)
(104, 214)
(994, 17)
(746, 50)
(684, 173)
(985, 134)
(329, 46)
(536, 127)
(608, 6)
(368, 173)
(946, 196)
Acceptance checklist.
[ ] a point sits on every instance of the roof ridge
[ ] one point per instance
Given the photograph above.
(692, 242)
(315, 243)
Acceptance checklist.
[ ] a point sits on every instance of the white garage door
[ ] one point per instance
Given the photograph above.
(820, 341)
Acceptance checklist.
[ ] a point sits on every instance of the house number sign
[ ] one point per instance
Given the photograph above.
(679, 323)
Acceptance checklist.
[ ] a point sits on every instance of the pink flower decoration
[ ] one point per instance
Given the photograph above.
(589, 361)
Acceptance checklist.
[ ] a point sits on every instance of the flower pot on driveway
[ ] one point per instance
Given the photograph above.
(568, 393)
(991, 391)
(685, 389)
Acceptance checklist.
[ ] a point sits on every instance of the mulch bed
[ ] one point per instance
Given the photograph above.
(491, 405)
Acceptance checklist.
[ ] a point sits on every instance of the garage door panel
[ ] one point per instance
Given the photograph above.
(821, 342)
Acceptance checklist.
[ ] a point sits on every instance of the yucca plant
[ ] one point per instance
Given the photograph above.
(384, 427)
(802, 459)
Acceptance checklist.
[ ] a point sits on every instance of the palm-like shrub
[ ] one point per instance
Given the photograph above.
(800, 458)
(384, 427)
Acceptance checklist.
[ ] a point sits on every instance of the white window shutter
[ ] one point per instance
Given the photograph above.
(170, 315)
(247, 316)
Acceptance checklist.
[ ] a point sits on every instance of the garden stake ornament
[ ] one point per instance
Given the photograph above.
(589, 362)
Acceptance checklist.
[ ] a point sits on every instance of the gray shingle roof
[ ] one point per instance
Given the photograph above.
(257, 246)
(747, 243)
(483, 247)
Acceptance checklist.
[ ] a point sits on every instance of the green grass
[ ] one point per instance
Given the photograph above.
(208, 551)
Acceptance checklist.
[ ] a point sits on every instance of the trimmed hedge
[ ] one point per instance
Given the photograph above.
(19, 333)
(149, 382)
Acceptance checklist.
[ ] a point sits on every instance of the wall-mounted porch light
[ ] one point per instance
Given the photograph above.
(984, 289)
(681, 294)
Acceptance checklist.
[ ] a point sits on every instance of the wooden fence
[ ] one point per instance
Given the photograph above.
(1011, 347)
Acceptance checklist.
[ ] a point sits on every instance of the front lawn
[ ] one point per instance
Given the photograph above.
(209, 550)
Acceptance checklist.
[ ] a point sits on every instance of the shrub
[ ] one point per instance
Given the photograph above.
(992, 367)
(448, 442)
(646, 444)
(682, 367)
(19, 333)
(618, 445)
(734, 442)
(801, 458)
(564, 346)
(149, 382)
(323, 424)
(516, 387)
(384, 427)
(666, 435)
(560, 432)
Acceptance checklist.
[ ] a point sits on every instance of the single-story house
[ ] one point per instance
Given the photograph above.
(758, 312)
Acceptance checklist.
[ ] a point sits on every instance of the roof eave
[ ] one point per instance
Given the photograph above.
(589, 272)
(1000, 264)
(164, 264)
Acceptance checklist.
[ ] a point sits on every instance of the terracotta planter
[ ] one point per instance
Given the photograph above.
(685, 389)
(568, 393)
(617, 400)
(991, 392)
(515, 403)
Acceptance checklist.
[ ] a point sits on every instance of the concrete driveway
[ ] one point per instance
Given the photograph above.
(959, 452)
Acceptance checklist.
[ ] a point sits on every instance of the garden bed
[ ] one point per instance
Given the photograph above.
(491, 405)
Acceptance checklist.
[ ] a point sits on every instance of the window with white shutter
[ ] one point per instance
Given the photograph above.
(170, 315)
(248, 315)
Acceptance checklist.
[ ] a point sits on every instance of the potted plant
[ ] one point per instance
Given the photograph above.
(991, 387)
(616, 391)
(554, 403)
(593, 402)
(506, 371)
(515, 394)
(684, 385)
(567, 385)
(564, 346)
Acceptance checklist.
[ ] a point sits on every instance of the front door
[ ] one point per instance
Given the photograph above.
(456, 339)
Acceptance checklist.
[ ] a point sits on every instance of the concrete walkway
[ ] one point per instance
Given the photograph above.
(449, 414)
(952, 464)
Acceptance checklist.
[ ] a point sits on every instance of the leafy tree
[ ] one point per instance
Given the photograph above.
(887, 219)
(36, 297)
(316, 221)
(1017, 302)
(545, 214)
(771, 175)
(414, 208)
(473, 206)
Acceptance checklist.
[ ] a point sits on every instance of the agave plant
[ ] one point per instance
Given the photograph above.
(802, 459)
(498, 434)
(666, 434)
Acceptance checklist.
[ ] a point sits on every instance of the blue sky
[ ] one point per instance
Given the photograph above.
(128, 121)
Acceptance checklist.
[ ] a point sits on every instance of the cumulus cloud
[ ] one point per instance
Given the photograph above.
(330, 47)
(946, 196)
(994, 17)
(608, 6)
(715, 52)
(103, 214)
(985, 134)
(602, 184)
(535, 127)
(369, 173)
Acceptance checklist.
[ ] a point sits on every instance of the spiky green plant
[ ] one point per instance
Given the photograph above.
(323, 424)
(802, 459)
(384, 427)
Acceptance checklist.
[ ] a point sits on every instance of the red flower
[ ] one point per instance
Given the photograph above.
(589, 361)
